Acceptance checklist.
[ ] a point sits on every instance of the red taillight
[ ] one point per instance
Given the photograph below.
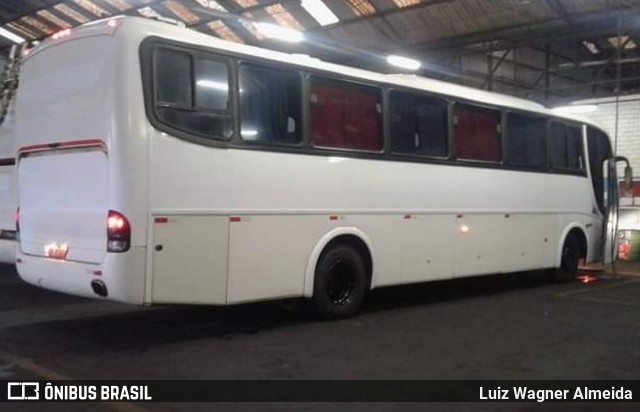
(118, 232)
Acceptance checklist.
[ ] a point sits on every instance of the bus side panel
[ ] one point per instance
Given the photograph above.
(190, 259)
(502, 242)
(409, 247)
(268, 255)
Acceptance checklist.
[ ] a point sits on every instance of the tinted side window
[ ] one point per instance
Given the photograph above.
(194, 105)
(173, 77)
(345, 115)
(418, 125)
(599, 150)
(477, 133)
(212, 84)
(526, 140)
(270, 105)
(566, 146)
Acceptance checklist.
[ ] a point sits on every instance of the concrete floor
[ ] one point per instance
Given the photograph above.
(499, 327)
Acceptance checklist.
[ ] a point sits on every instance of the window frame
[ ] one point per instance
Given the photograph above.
(147, 53)
(384, 87)
(421, 94)
(303, 108)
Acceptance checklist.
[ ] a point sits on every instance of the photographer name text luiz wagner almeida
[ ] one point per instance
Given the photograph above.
(584, 393)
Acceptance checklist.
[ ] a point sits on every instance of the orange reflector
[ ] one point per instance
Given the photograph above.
(587, 278)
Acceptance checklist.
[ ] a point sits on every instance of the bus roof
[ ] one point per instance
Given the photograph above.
(148, 27)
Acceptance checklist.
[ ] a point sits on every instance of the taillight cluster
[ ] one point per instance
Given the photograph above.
(118, 233)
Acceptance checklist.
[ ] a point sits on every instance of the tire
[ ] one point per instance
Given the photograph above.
(340, 283)
(571, 254)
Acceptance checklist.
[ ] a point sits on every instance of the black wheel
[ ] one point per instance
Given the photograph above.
(340, 283)
(571, 253)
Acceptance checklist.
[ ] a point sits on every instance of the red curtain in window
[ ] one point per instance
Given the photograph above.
(345, 118)
(476, 134)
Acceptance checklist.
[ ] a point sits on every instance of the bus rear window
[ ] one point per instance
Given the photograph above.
(345, 115)
(192, 93)
(477, 133)
(566, 144)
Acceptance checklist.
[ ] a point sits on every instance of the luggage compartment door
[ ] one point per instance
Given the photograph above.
(190, 259)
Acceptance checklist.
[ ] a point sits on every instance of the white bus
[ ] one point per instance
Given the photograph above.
(160, 165)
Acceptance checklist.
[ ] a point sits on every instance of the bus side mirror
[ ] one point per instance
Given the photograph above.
(628, 177)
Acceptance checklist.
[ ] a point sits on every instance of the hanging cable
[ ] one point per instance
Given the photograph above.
(615, 198)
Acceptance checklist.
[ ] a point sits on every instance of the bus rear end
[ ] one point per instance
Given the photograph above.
(74, 234)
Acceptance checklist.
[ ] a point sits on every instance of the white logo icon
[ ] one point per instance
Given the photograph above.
(29, 391)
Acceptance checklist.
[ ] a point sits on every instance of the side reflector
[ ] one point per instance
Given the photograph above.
(161, 219)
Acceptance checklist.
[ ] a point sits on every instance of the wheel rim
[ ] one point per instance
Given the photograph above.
(341, 282)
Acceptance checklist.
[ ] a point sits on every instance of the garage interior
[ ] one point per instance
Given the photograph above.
(583, 53)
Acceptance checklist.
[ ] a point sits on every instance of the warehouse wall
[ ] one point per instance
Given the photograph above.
(519, 72)
(628, 141)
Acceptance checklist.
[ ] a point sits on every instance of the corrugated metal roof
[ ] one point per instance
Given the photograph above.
(417, 27)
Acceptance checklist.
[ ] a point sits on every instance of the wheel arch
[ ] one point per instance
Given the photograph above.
(582, 233)
(349, 235)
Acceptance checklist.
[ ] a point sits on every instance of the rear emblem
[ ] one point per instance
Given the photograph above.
(56, 251)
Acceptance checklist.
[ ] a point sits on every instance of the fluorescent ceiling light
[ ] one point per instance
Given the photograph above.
(10, 36)
(320, 12)
(404, 62)
(591, 46)
(629, 44)
(148, 12)
(279, 33)
(576, 109)
(211, 4)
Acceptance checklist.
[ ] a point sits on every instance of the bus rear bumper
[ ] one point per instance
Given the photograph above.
(121, 274)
